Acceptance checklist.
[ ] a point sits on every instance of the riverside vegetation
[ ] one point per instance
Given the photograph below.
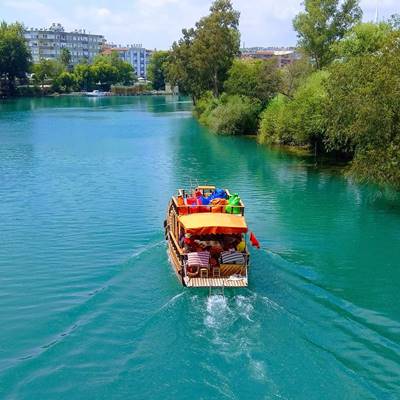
(20, 77)
(49, 76)
(339, 99)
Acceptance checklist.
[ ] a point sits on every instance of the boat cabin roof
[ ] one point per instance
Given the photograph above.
(213, 224)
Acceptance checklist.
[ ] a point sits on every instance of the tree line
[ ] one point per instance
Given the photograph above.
(18, 73)
(340, 98)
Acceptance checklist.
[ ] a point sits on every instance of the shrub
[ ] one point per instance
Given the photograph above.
(273, 121)
(299, 120)
(29, 91)
(204, 106)
(233, 115)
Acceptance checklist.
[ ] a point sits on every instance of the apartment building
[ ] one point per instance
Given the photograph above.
(134, 54)
(47, 43)
(282, 56)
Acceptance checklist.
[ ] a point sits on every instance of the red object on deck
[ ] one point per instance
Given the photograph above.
(254, 241)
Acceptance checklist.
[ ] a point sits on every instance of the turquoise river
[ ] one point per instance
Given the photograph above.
(90, 307)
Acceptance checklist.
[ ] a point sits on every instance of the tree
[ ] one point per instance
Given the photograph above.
(201, 59)
(65, 57)
(65, 82)
(85, 77)
(104, 74)
(125, 73)
(294, 75)
(363, 39)
(323, 23)
(182, 69)
(217, 43)
(306, 111)
(257, 79)
(15, 57)
(300, 119)
(46, 70)
(363, 112)
(156, 69)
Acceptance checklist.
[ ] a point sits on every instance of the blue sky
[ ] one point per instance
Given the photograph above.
(157, 23)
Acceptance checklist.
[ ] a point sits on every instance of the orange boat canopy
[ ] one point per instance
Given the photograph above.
(213, 224)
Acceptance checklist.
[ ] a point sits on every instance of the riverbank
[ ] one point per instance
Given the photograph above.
(339, 97)
(35, 91)
(322, 162)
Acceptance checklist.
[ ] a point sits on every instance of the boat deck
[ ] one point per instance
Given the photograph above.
(216, 282)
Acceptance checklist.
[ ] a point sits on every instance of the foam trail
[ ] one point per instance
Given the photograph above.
(145, 248)
(170, 302)
(218, 313)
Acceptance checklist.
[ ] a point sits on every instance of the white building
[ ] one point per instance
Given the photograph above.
(47, 43)
(134, 54)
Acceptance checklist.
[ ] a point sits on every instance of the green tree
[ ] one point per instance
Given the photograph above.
(306, 112)
(323, 23)
(294, 75)
(217, 43)
(104, 74)
(15, 57)
(65, 82)
(65, 57)
(273, 123)
(46, 71)
(201, 59)
(156, 69)
(257, 79)
(85, 79)
(125, 74)
(363, 112)
(299, 120)
(182, 69)
(363, 39)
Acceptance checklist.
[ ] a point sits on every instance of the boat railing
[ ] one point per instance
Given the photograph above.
(204, 208)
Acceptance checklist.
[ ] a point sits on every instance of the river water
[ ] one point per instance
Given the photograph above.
(90, 308)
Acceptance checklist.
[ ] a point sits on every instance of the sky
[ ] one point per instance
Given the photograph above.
(157, 23)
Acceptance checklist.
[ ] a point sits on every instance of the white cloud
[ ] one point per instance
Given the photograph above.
(103, 12)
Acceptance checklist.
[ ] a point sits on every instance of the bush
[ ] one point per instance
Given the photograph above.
(299, 120)
(204, 106)
(65, 82)
(230, 115)
(29, 91)
(306, 110)
(273, 121)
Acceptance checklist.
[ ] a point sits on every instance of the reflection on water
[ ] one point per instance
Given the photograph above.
(91, 308)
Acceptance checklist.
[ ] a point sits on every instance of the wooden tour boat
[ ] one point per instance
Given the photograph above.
(206, 235)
